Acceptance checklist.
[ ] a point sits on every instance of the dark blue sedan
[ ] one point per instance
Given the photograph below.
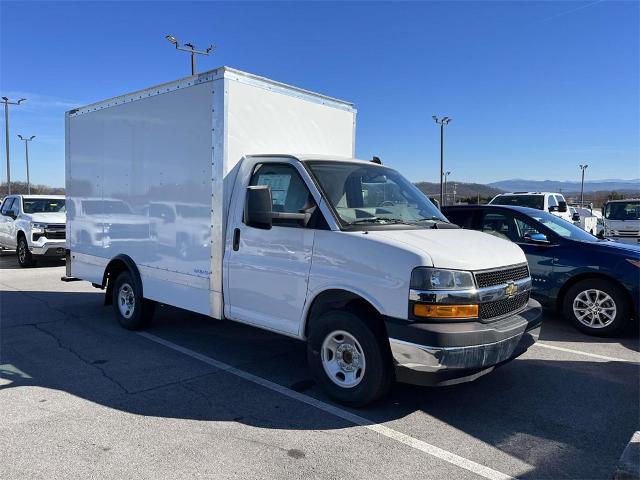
(594, 283)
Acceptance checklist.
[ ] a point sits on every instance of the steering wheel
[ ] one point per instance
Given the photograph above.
(387, 203)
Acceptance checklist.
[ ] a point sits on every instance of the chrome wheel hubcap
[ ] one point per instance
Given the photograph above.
(126, 300)
(343, 359)
(594, 308)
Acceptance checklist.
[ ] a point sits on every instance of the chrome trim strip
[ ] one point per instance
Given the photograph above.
(474, 295)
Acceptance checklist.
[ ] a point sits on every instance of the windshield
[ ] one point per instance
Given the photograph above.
(622, 210)
(531, 201)
(371, 194)
(43, 205)
(562, 227)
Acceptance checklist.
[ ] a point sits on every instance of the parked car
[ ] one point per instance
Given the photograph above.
(34, 226)
(593, 282)
(344, 254)
(547, 201)
(622, 220)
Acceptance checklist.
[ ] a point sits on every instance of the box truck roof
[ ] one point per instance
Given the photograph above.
(221, 72)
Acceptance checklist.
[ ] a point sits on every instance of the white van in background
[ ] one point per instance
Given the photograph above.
(622, 220)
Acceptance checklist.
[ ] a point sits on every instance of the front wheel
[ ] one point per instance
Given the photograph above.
(348, 358)
(132, 311)
(597, 307)
(25, 258)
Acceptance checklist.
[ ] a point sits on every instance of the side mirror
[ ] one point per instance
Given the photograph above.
(562, 207)
(575, 217)
(539, 238)
(553, 208)
(600, 235)
(257, 207)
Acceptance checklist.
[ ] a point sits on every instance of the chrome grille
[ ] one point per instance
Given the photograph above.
(499, 277)
(503, 307)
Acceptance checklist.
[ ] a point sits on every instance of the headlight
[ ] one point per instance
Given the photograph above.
(426, 278)
(38, 227)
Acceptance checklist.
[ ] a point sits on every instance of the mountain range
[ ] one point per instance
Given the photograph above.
(521, 185)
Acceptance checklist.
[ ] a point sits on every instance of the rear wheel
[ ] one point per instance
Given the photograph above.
(348, 358)
(132, 311)
(25, 258)
(597, 307)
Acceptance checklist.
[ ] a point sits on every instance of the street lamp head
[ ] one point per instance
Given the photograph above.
(21, 100)
(5, 99)
(210, 48)
(435, 119)
(20, 137)
(32, 137)
(190, 45)
(171, 39)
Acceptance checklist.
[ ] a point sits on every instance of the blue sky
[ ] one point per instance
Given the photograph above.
(534, 88)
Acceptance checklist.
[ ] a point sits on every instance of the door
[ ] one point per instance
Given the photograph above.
(6, 222)
(510, 226)
(268, 270)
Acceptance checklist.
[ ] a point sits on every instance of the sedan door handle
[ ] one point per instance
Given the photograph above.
(236, 239)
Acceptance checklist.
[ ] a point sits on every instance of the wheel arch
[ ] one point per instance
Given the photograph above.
(339, 298)
(595, 276)
(116, 265)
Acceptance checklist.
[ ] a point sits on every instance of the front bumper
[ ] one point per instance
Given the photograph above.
(448, 353)
(51, 249)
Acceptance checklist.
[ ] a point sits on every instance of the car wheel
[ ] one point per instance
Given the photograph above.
(348, 358)
(25, 258)
(182, 247)
(132, 311)
(597, 307)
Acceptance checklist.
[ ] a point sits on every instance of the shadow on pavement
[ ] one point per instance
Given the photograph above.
(564, 418)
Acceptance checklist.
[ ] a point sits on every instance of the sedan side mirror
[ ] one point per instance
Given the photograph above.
(562, 207)
(575, 217)
(538, 238)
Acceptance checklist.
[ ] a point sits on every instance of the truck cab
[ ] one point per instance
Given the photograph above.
(34, 226)
(622, 220)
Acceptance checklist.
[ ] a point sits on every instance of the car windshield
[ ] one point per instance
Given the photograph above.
(43, 205)
(531, 201)
(623, 210)
(563, 228)
(365, 194)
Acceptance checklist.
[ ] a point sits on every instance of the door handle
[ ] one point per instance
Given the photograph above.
(236, 239)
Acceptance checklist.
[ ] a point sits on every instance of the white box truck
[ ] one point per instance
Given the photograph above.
(239, 197)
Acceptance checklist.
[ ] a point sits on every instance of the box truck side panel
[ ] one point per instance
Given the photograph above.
(140, 184)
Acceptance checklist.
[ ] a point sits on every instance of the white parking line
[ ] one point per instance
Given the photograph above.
(586, 354)
(425, 447)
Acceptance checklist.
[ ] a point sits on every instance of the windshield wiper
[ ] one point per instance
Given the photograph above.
(386, 221)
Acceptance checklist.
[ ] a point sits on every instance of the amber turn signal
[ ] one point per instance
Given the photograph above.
(445, 311)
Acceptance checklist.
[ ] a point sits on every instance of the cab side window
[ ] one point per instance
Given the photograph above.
(289, 193)
(462, 218)
(552, 201)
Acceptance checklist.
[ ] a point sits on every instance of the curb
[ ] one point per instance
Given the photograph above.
(628, 467)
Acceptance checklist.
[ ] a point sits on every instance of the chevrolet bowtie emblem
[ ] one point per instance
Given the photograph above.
(511, 289)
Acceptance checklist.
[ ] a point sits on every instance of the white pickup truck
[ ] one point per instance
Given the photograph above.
(34, 226)
(549, 202)
(344, 254)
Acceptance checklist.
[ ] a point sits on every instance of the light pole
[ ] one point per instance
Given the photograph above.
(442, 122)
(583, 168)
(26, 156)
(188, 47)
(7, 102)
(446, 174)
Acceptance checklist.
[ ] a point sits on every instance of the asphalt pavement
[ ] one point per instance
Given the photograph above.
(193, 397)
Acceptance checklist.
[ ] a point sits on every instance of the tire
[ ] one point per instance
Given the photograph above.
(132, 311)
(25, 258)
(362, 351)
(614, 312)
